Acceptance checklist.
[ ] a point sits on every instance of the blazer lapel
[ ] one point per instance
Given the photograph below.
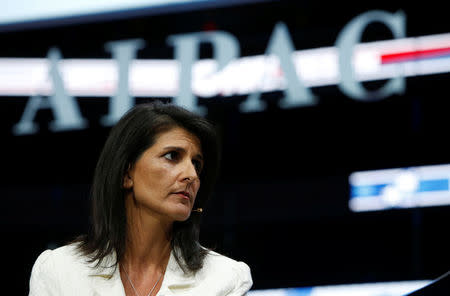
(175, 280)
(106, 280)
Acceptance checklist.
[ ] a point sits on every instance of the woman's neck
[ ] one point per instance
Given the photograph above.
(148, 241)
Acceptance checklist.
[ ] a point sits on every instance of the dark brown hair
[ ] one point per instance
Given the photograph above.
(129, 138)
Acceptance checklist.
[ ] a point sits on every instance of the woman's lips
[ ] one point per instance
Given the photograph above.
(184, 194)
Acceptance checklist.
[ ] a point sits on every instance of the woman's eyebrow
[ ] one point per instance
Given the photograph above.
(176, 148)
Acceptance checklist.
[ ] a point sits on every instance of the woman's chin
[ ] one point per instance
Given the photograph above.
(181, 218)
(181, 213)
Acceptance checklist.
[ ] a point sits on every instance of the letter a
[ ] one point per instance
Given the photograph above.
(296, 94)
(66, 114)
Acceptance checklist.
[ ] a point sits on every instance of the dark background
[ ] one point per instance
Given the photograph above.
(281, 203)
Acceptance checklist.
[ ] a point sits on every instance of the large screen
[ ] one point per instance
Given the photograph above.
(28, 13)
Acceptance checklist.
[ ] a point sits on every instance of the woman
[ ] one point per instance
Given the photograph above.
(146, 210)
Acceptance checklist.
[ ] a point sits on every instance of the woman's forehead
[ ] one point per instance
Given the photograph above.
(178, 136)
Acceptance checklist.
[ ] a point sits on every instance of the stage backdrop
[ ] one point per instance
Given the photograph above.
(302, 93)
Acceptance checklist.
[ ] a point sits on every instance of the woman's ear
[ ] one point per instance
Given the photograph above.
(127, 180)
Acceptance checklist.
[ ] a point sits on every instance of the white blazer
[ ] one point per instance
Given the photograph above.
(63, 272)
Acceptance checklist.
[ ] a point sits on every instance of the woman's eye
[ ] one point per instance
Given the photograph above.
(171, 155)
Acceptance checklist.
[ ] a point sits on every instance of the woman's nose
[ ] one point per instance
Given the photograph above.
(189, 173)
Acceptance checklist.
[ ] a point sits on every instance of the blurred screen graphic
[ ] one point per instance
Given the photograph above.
(419, 186)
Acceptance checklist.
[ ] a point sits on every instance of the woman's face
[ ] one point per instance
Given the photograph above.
(165, 179)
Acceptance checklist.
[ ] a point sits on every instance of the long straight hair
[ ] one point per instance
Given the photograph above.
(135, 132)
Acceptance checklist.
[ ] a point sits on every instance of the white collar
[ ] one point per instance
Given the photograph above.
(107, 281)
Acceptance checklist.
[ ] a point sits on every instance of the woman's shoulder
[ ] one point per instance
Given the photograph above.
(66, 256)
(224, 271)
(55, 269)
(214, 260)
(63, 260)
